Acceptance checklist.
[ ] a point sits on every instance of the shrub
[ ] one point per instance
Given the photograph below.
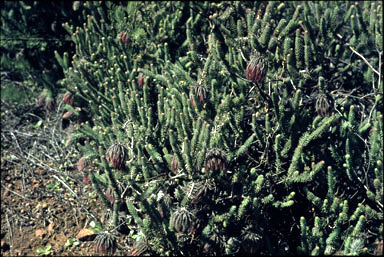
(218, 164)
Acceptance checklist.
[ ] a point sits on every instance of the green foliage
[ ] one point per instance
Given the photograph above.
(14, 92)
(44, 251)
(217, 164)
(30, 33)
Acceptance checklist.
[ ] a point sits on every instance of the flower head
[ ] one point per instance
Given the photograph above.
(68, 98)
(323, 105)
(215, 160)
(82, 163)
(49, 103)
(251, 240)
(68, 114)
(257, 69)
(200, 91)
(139, 248)
(124, 38)
(110, 195)
(105, 243)
(116, 155)
(86, 179)
(175, 163)
(40, 100)
(182, 220)
(140, 81)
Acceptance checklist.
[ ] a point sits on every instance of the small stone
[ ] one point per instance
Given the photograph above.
(86, 235)
(4, 246)
(40, 171)
(6, 191)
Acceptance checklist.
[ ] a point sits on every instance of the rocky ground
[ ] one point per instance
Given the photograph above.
(46, 209)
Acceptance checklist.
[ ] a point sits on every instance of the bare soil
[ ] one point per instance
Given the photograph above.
(44, 201)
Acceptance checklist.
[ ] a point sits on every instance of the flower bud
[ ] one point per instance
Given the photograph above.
(40, 100)
(86, 179)
(140, 81)
(116, 155)
(67, 114)
(257, 69)
(175, 164)
(105, 243)
(182, 220)
(215, 160)
(109, 195)
(82, 163)
(200, 91)
(323, 105)
(49, 104)
(68, 98)
(124, 38)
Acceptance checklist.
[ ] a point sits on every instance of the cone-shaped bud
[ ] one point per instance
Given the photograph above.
(68, 98)
(140, 81)
(251, 240)
(68, 114)
(323, 105)
(175, 164)
(200, 190)
(182, 220)
(124, 38)
(139, 248)
(109, 195)
(86, 179)
(49, 104)
(215, 160)
(200, 90)
(257, 69)
(116, 155)
(40, 100)
(105, 243)
(82, 163)
(192, 102)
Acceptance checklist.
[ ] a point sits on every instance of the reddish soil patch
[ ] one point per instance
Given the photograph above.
(34, 216)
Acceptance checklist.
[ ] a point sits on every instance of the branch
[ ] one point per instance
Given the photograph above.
(365, 60)
(25, 198)
(35, 39)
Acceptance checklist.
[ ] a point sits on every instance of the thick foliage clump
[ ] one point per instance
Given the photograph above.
(234, 127)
